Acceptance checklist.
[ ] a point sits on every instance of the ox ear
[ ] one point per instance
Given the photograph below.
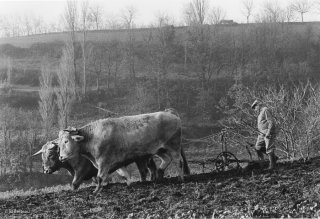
(77, 138)
(39, 152)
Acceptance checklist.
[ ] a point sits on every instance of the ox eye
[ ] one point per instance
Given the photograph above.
(66, 141)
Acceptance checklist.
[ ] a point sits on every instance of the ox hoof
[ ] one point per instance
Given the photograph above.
(97, 190)
(181, 179)
(94, 180)
(154, 177)
(128, 183)
(160, 174)
(75, 186)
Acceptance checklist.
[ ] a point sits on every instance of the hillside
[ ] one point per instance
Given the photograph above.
(290, 191)
(121, 34)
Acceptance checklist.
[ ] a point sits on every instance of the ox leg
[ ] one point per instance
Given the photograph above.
(94, 180)
(102, 175)
(125, 173)
(142, 167)
(152, 169)
(165, 161)
(173, 147)
(77, 180)
(99, 186)
(178, 161)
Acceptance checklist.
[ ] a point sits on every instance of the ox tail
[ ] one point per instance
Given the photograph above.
(186, 169)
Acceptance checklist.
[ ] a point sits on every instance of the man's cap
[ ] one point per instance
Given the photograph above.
(255, 103)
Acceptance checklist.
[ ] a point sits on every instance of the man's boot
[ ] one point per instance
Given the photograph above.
(260, 154)
(272, 161)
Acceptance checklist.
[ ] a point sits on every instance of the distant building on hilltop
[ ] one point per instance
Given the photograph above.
(227, 22)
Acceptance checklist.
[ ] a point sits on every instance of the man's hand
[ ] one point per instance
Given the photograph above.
(267, 136)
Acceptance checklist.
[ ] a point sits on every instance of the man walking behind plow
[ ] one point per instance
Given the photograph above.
(266, 138)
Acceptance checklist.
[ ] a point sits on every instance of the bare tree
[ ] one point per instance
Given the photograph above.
(71, 16)
(302, 7)
(66, 90)
(84, 19)
(289, 13)
(217, 14)
(10, 26)
(7, 120)
(128, 17)
(196, 12)
(96, 62)
(46, 93)
(55, 27)
(160, 46)
(9, 70)
(95, 17)
(31, 135)
(113, 23)
(4, 27)
(129, 14)
(27, 25)
(71, 20)
(113, 58)
(38, 24)
(247, 9)
(272, 12)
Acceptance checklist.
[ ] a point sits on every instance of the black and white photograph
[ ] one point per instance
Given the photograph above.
(158, 109)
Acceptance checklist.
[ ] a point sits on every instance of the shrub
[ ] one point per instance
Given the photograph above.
(296, 112)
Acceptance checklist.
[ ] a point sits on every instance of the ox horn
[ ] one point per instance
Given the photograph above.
(70, 129)
(39, 152)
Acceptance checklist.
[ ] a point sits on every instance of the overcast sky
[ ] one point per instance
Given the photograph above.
(147, 10)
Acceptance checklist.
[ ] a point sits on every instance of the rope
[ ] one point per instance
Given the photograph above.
(110, 112)
(205, 139)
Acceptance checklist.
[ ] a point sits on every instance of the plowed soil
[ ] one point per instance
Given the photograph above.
(293, 190)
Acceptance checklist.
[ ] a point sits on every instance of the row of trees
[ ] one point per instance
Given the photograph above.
(29, 24)
(199, 53)
(92, 17)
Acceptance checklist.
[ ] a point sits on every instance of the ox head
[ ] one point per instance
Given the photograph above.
(50, 157)
(69, 144)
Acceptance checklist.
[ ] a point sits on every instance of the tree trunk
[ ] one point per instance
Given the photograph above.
(185, 57)
(84, 64)
(158, 90)
(98, 85)
(116, 79)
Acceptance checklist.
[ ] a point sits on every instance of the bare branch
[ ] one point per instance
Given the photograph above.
(302, 7)
(95, 17)
(248, 9)
(128, 16)
(217, 14)
(196, 12)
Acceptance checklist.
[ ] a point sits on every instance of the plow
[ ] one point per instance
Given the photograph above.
(217, 152)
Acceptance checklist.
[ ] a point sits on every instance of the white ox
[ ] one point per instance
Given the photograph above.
(115, 142)
(82, 169)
